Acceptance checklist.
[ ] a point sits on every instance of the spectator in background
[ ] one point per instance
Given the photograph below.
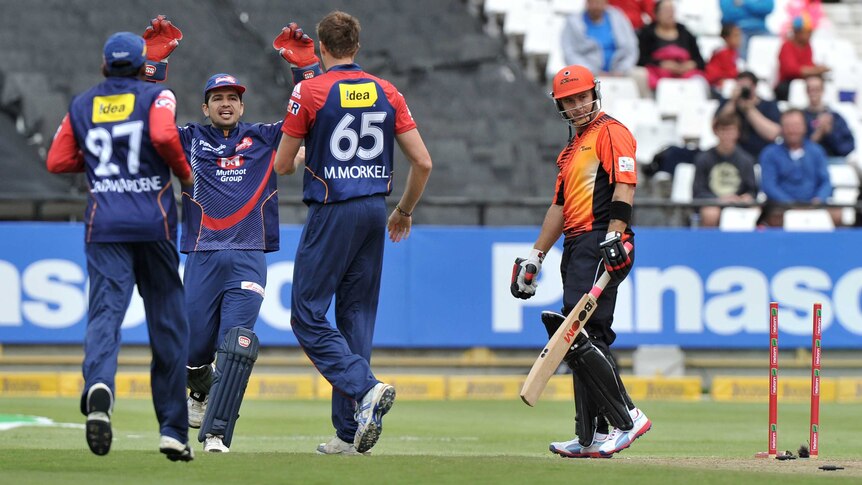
(796, 59)
(636, 10)
(794, 171)
(722, 65)
(600, 38)
(760, 118)
(667, 48)
(749, 15)
(825, 126)
(725, 172)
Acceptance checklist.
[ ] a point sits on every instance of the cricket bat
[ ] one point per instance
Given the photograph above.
(549, 359)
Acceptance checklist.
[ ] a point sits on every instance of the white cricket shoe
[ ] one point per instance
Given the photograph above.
(619, 440)
(174, 450)
(214, 444)
(574, 449)
(369, 415)
(196, 410)
(337, 446)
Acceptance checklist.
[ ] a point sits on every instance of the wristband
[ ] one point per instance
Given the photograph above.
(403, 212)
(621, 211)
(156, 71)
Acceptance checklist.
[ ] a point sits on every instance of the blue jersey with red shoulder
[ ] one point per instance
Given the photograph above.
(349, 120)
(234, 202)
(130, 195)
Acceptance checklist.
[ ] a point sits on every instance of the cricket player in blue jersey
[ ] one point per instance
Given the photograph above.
(230, 220)
(122, 133)
(349, 121)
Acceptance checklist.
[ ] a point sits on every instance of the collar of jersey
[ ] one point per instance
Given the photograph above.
(345, 67)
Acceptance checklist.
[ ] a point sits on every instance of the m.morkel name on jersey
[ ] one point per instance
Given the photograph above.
(356, 172)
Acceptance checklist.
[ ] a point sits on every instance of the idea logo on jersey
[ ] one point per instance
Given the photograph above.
(362, 95)
(230, 163)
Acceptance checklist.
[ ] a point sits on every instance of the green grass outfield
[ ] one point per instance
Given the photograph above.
(433, 442)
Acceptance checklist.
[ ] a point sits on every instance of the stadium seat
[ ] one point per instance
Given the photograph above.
(619, 88)
(683, 180)
(810, 220)
(700, 17)
(567, 6)
(695, 119)
(632, 112)
(763, 57)
(652, 138)
(739, 218)
(779, 19)
(708, 44)
(673, 95)
(542, 37)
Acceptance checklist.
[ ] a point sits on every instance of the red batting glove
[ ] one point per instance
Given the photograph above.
(295, 46)
(162, 37)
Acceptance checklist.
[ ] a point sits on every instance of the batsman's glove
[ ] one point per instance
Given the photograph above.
(617, 261)
(162, 37)
(525, 272)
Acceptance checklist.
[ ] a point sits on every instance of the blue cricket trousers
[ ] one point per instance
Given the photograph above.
(340, 254)
(224, 289)
(114, 269)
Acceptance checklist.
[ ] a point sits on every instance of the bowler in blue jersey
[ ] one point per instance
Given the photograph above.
(349, 121)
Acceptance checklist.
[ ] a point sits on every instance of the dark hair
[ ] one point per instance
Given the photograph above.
(339, 32)
(726, 119)
(747, 75)
(124, 69)
(727, 29)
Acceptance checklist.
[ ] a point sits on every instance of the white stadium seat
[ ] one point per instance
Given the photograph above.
(653, 137)
(812, 220)
(683, 181)
(673, 95)
(708, 44)
(763, 57)
(695, 119)
(739, 218)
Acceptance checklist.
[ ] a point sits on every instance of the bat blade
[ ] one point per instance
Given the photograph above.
(552, 354)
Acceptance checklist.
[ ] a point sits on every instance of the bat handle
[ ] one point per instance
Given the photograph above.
(530, 273)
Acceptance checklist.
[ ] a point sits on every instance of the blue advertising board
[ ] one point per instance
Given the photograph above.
(448, 287)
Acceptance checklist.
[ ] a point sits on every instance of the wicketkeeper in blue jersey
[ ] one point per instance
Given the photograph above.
(122, 133)
(350, 122)
(230, 220)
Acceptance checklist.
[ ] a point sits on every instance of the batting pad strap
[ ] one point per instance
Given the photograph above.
(156, 71)
(234, 361)
(621, 211)
(200, 379)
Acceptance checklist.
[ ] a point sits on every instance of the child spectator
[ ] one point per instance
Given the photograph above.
(796, 59)
(722, 65)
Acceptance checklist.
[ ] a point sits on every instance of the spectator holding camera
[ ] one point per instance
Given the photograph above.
(760, 118)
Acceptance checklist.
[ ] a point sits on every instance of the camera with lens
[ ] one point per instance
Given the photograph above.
(745, 92)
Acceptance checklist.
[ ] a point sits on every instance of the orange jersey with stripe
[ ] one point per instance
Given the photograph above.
(590, 166)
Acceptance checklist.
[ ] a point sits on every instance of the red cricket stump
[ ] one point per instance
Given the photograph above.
(814, 437)
(773, 379)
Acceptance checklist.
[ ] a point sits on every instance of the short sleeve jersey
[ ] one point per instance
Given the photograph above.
(349, 120)
(130, 197)
(590, 166)
(234, 203)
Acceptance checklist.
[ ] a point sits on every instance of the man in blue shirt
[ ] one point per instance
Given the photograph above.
(795, 170)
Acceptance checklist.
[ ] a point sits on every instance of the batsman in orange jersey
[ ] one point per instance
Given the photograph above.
(592, 207)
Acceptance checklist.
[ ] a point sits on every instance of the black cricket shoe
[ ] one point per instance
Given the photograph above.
(100, 402)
